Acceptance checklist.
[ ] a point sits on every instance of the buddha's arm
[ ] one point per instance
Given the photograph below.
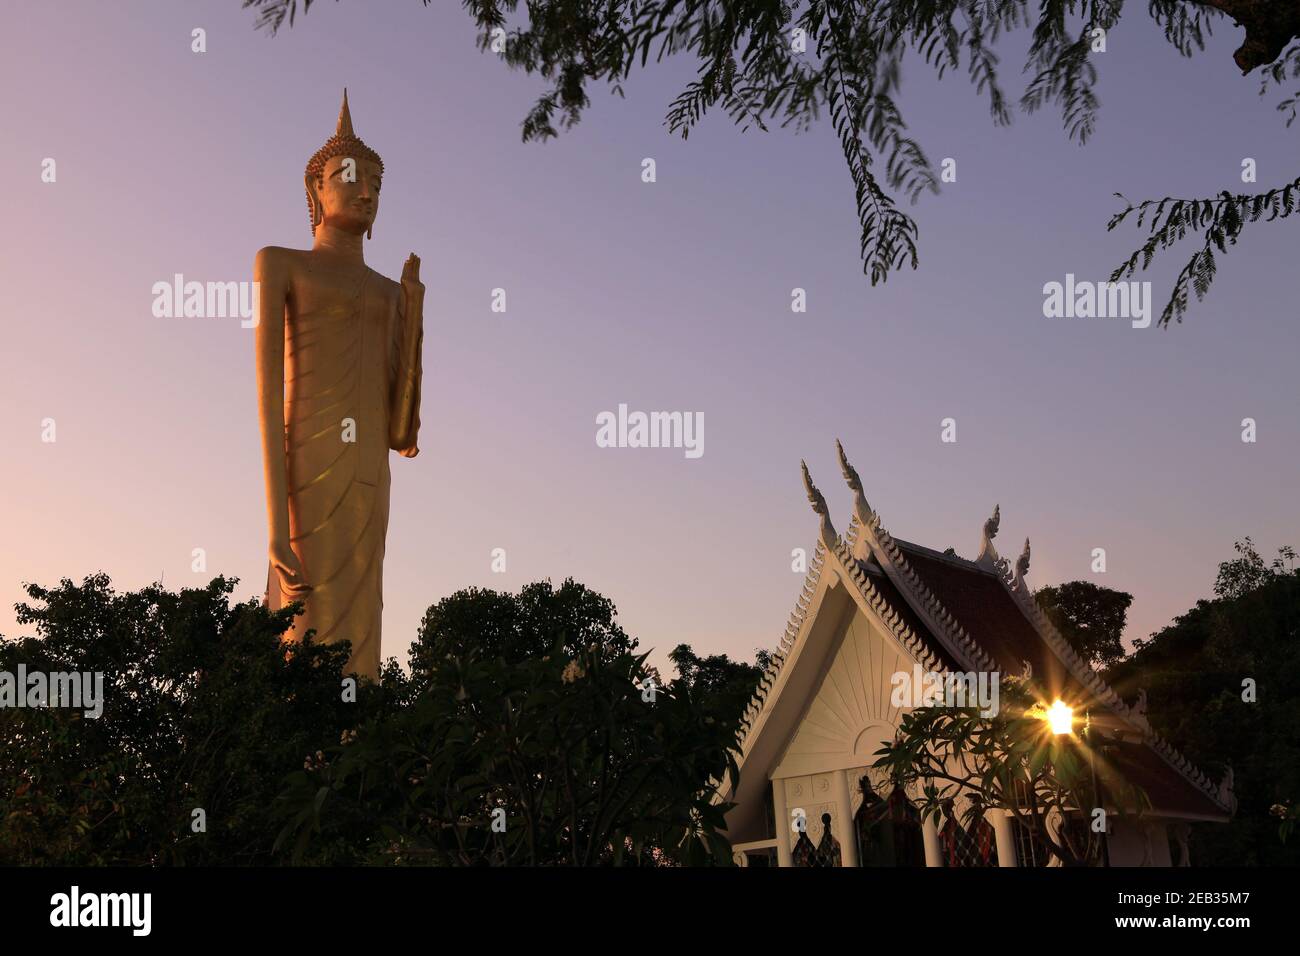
(271, 273)
(404, 422)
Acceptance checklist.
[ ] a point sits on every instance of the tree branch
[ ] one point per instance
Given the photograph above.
(1269, 24)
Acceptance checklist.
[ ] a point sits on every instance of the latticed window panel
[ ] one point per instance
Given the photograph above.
(804, 851)
(826, 852)
(888, 830)
(975, 847)
(828, 849)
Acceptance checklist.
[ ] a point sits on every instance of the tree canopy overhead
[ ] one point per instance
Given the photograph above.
(784, 62)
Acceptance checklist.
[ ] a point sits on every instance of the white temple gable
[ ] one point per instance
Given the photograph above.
(851, 714)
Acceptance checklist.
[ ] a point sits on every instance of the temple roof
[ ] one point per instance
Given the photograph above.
(978, 599)
(952, 613)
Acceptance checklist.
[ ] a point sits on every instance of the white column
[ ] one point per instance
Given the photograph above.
(1004, 830)
(930, 834)
(783, 855)
(844, 831)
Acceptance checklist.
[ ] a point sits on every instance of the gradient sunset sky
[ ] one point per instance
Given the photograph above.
(666, 296)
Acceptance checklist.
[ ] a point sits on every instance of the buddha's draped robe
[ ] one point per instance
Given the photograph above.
(340, 363)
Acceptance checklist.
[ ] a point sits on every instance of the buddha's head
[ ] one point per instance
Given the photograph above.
(343, 180)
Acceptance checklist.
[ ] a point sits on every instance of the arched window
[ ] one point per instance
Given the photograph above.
(889, 830)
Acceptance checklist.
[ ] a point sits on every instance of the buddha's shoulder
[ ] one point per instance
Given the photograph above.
(278, 257)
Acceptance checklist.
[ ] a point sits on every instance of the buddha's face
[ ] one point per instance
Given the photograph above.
(347, 194)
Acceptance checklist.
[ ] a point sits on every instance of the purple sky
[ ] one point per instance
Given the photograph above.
(666, 296)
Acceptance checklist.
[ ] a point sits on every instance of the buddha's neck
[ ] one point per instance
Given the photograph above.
(345, 245)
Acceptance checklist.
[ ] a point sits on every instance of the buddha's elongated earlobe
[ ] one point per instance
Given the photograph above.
(314, 211)
(370, 229)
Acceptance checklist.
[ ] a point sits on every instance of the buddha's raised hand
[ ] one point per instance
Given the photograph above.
(412, 287)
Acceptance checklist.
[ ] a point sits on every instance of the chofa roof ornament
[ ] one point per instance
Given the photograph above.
(818, 502)
(988, 556)
(860, 506)
(1022, 567)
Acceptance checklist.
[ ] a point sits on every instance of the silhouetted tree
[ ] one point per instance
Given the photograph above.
(722, 686)
(1248, 571)
(533, 704)
(531, 737)
(1090, 617)
(1221, 684)
(204, 709)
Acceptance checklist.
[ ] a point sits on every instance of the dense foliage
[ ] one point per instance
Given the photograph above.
(723, 686)
(1090, 617)
(526, 703)
(1222, 685)
(204, 710)
(533, 735)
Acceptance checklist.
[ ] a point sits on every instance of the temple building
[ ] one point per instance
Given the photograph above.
(874, 606)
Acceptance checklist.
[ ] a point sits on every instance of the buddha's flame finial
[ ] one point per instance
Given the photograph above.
(345, 118)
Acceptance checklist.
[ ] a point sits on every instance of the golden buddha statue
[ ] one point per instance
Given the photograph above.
(338, 379)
